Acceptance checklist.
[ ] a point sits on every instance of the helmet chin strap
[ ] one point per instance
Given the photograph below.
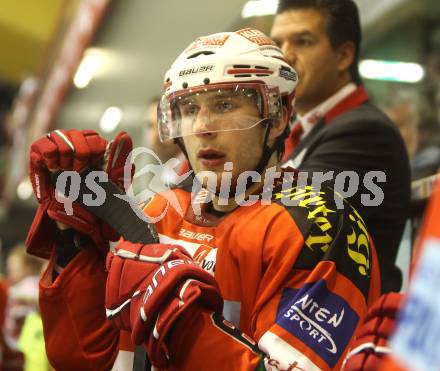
(267, 151)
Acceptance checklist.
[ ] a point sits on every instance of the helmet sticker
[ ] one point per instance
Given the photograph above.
(199, 69)
(216, 40)
(255, 36)
(246, 59)
(287, 73)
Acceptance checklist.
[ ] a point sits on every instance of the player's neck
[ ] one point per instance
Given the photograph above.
(270, 173)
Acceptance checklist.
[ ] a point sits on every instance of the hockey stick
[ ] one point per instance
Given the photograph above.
(116, 211)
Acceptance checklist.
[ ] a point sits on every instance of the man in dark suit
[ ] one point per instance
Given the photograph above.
(337, 128)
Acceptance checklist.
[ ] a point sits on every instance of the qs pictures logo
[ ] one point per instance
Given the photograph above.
(152, 174)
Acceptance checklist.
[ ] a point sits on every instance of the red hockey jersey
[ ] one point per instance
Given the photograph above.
(296, 274)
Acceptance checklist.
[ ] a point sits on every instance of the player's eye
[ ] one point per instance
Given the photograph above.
(190, 109)
(303, 41)
(223, 106)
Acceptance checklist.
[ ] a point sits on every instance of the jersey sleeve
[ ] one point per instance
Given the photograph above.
(319, 278)
(326, 282)
(365, 143)
(76, 332)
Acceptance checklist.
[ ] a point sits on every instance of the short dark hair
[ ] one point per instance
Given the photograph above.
(343, 23)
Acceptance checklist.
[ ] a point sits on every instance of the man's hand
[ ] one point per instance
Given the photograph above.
(149, 287)
(78, 151)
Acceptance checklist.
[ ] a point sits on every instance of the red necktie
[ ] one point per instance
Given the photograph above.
(293, 139)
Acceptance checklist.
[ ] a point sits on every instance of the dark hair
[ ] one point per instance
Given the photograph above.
(343, 23)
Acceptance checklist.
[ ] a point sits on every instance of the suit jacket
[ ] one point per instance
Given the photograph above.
(356, 136)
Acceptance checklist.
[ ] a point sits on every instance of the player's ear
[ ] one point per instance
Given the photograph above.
(346, 54)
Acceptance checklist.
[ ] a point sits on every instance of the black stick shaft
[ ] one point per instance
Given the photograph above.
(117, 212)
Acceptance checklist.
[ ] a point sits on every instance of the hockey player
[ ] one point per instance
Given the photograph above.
(239, 281)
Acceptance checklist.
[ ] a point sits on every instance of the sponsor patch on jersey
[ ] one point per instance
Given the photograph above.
(319, 318)
(282, 356)
(195, 235)
(418, 330)
(209, 260)
(205, 256)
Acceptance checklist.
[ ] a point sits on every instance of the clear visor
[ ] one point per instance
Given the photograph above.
(216, 108)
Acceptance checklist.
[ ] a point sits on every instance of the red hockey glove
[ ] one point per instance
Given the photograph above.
(148, 289)
(370, 346)
(115, 160)
(128, 268)
(190, 297)
(71, 150)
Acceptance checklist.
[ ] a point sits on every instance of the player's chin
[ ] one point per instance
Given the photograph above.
(208, 176)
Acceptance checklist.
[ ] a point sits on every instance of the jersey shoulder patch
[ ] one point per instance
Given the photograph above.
(331, 233)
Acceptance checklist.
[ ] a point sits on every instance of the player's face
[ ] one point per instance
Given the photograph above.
(210, 144)
(217, 109)
(302, 36)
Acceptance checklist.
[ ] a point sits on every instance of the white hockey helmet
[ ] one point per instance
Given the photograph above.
(218, 70)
